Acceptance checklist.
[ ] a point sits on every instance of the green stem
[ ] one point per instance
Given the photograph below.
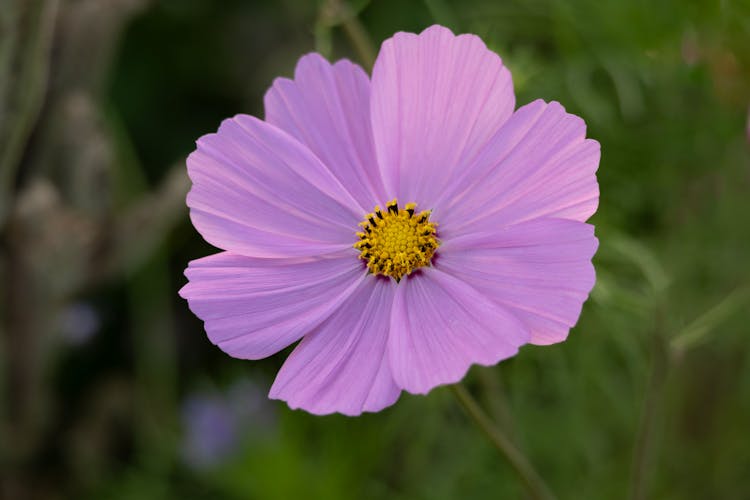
(644, 453)
(699, 329)
(339, 13)
(360, 39)
(532, 481)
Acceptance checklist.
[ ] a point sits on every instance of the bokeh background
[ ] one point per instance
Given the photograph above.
(109, 388)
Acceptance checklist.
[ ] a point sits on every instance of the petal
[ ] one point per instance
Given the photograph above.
(253, 308)
(440, 326)
(327, 108)
(539, 270)
(539, 164)
(259, 192)
(436, 100)
(342, 365)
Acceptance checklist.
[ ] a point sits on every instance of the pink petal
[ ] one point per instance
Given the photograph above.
(440, 326)
(342, 365)
(259, 192)
(436, 100)
(327, 108)
(539, 164)
(253, 308)
(539, 270)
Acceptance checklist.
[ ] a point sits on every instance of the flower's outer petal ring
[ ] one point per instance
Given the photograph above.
(539, 164)
(436, 100)
(327, 108)
(440, 326)
(539, 270)
(342, 366)
(253, 308)
(258, 192)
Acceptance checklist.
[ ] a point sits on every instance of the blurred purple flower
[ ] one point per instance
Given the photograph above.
(79, 322)
(388, 300)
(210, 430)
(215, 424)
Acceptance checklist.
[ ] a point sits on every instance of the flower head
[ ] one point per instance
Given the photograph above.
(482, 246)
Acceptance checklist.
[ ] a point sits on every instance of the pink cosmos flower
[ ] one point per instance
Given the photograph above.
(481, 245)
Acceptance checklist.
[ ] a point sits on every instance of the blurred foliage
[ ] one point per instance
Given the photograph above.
(107, 377)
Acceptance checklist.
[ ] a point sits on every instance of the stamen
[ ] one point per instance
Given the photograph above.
(394, 243)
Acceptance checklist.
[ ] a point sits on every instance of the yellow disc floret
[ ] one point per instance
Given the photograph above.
(396, 242)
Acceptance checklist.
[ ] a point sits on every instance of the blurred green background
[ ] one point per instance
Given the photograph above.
(110, 389)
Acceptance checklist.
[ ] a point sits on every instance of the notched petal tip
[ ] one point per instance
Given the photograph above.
(555, 108)
(252, 308)
(184, 291)
(201, 141)
(346, 64)
(441, 326)
(341, 366)
(326, 411)
(437, 29)
(437, 98)
(208, 141)
(315, 62)
(279, 84)
(311, 61)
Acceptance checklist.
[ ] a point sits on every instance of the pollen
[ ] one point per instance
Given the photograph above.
(396, 241)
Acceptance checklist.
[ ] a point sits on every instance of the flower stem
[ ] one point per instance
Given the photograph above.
(533, 483)
(644, 453)
(340, 13)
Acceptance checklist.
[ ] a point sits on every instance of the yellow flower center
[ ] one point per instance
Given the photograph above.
(396, 242)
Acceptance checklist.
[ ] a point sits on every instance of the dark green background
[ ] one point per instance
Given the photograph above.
(664, 86)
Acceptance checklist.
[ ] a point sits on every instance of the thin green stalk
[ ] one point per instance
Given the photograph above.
(532, 481)
(360, 39)
(664, 354)
(339, 13)
(644, 453)
(698, 331)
